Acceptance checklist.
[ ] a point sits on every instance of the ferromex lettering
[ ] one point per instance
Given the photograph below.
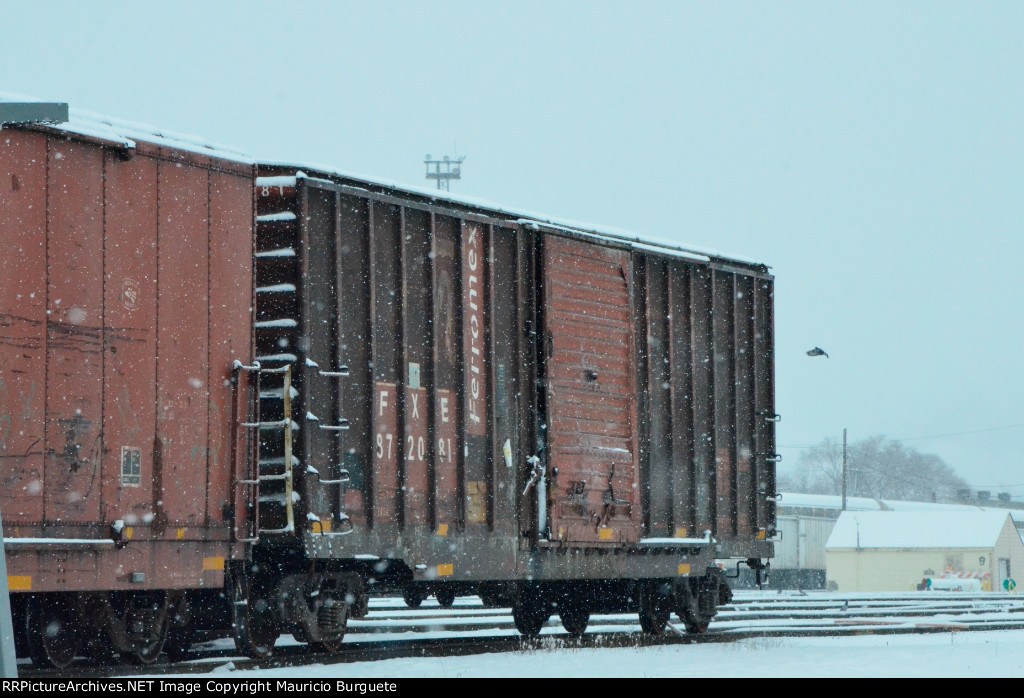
(474, 327)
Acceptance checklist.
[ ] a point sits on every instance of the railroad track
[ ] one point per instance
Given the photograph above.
(392, 631)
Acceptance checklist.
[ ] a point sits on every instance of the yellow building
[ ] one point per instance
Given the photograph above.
(908, 550)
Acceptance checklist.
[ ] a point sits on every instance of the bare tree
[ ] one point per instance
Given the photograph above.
(877, 467)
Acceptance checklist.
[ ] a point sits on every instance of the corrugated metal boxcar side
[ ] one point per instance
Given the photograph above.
(125, 283)
(474, 341)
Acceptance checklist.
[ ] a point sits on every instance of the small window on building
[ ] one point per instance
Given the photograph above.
(131, 466)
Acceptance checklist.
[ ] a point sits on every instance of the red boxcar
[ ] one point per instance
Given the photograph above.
(125, 295)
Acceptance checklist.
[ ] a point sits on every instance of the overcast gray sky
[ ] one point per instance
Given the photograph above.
(871, 153)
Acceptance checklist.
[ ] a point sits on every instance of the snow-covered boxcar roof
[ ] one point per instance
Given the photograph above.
(619, 236)
(127, 133)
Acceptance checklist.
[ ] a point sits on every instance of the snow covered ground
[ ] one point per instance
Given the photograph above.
(974, 654)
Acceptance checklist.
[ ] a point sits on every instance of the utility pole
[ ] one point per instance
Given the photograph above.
(844, 468)
(452, 170)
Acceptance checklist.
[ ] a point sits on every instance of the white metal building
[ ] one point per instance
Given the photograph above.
(805, 522)
(908, 550)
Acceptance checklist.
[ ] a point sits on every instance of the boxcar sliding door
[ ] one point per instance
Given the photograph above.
(590, 384)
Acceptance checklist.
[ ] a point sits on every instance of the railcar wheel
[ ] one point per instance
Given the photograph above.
(148, 654)
(100, 650)
(330, 645)
(181, 629)
(51, 632)
(654, 610)
(493, 601)
(529, 616)
(696, 628)
(332, 621)
(699, 606)
(255, 631)
(574, 619)
(413, 597)
(150, 613)
(445, 597)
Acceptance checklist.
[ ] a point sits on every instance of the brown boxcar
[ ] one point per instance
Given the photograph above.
(496, 404)
(125, 295)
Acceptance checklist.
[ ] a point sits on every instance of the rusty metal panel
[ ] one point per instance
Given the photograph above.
(90, 271)
(354, 351)
(684, 484)
(764, 404)
(22, 324)
(504, 350)
(320, 448)
(745, 387)
(231, 298)
(387, 358)
(129, 388)
(703, 391)
(660, 468)
(476, 364)
(182, 345)
(447, 374)
(386, 448)
(529, 286)
(417, 336)
(725, 403)
(590, 385)
(74, 347)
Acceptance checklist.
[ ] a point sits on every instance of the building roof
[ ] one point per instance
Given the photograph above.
(828, 501)
(917, 529)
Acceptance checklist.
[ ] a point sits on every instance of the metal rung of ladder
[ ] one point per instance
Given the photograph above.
(278, 461)
(287, 529)
(280, 424)
(286, 475)
(342, 371)
(267, 478)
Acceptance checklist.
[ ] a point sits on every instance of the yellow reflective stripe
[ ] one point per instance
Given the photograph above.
(213, 564)
(19, 582)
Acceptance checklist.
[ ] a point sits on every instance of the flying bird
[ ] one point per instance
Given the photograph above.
(817, 351)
